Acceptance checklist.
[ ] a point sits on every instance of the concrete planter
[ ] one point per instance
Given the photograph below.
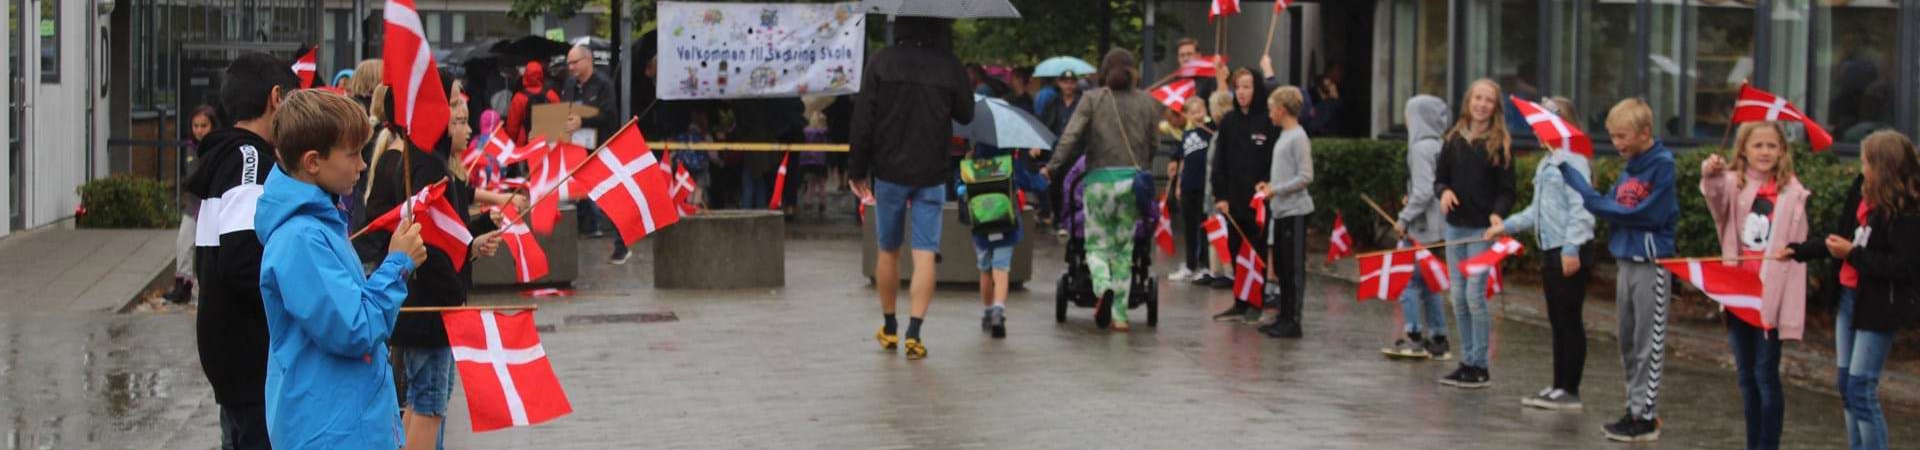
(722, 249)
(563, 258)
(957, 261)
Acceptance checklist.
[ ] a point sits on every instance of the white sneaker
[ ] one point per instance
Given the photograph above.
(1181, 275)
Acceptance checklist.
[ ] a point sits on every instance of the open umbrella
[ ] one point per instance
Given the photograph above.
(529, 48)
(950, 9)
(1062, 65)
(999, 124)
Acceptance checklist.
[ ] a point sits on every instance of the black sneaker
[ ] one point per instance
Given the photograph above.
(620, 257)
(1282, 329)
(1438, 350)
(998, 323)
(1252, 315)
(1632, 429)
(986, 320)
(1454, 379)
(1233, 314)
(1222, 282)
(1204, 279)
(1475, 378)
(1554, 399)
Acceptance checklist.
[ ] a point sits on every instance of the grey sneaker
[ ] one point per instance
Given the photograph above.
(1253, 315)
(1554, 399)
(1438, 350)
(1405, 348)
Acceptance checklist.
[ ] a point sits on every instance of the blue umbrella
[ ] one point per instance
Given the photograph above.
(999, 124)
(1062, 65)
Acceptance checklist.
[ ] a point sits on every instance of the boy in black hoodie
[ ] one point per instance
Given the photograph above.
(231, 328)
(1245, 152)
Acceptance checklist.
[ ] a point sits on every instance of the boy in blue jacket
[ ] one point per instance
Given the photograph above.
(1644, 212)
(328, 381)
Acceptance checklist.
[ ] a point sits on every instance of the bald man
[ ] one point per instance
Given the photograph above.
(596, 90)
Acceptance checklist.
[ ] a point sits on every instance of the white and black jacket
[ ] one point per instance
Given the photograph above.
(231, 325)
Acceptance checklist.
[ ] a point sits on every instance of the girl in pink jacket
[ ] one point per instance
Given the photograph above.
(1759, 207)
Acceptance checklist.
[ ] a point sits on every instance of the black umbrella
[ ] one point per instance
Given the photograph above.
(530, 48)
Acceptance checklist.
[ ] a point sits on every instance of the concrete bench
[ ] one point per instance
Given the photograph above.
(722, 249)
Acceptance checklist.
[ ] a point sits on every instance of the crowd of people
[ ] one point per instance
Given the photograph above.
(1243, 152)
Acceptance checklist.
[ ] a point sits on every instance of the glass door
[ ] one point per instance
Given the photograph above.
(16, 151)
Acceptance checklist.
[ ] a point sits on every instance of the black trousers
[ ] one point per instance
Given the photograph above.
(1193, 213)
(1288, 239)
(1566, 296)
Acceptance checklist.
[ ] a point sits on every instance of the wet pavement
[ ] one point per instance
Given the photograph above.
(797, 368)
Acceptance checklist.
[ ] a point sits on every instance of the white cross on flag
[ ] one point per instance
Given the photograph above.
(1340, 244)
(1736, 289)
(507, 153)
(1433, 271)
(1174, 94)
(683, 188)
(628, 188)
(529, 260)
(1199, 67)
(551, 185)
(306, 65)
(1491, 258)
(1757, 105)
(1495, 285)
(442, 229)
(1383, 275)
(420, 105)
(1216, 227)
(1551, 129)
(1223, 8)
(1249, 276)
(1163, 229)
(503, 370)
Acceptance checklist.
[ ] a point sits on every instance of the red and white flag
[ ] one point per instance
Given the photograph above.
(1340, 243)
(1259, 205)
(306, 66)
(1223, 8)
(1281, 5)
(419, 104)
(529, 260)
(1199, 67)
(1216, 227)
(683, 189)
(507, 153)
(551, 185)
(1551, 129)
(1384, 275)
(1495, 281)
(1757, 105)
(1174, 95)
(1249, 276)
(440, 227)
(1163, 228)
(1737, 290)
(1491, 258)
(1433, 270)
(623, 181)
(779, 182)
(503, 369)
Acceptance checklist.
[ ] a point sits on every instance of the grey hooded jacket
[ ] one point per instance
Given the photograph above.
(1427, 119)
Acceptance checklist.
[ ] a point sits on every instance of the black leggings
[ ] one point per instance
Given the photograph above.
(1192, 214)
(1566, 296)
(1289, 241)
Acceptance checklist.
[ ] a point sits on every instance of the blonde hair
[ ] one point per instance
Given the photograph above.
(366, 76)
(1631, 113)
(317, 120)
(1219, 104)
(1782, 169)
(1895, 184)
(1499, 144)
(1287, 98)
(1563, 107)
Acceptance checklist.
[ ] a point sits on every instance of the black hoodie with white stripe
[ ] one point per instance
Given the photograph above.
(232, 325)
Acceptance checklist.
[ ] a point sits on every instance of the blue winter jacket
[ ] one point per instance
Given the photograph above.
(1643, 207)
(328, 382)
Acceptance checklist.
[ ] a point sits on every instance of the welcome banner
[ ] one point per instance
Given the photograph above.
(745, 50)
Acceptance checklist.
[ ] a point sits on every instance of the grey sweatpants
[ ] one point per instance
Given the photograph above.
(1642, 301)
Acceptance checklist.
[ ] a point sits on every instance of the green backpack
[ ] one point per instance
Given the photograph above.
(990, 204)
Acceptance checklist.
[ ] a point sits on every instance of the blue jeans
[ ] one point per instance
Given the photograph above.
(992, 259)
(1756, 357)
(1862, 354)
(893, 203)
(1421, 308)
(1469, 294)
(753, 191)
(429, 383)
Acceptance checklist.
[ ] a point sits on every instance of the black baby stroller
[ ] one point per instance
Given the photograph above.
(1076, 284)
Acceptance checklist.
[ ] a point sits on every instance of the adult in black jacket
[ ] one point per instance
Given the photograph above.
(231, 328)
(1244, 157)
(582, 85)
(911, 94)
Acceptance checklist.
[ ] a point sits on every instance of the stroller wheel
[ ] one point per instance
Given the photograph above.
(1153, 306)
(1103, 310)
(1061, 296)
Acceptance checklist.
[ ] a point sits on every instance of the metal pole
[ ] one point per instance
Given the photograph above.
(355, 33)
(622, 32)
(1146, 49)
(889, 41)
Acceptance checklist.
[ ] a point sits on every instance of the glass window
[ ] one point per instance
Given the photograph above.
(1723, 46)
(1405, 14)
(1604, 71)
(459, 28)
(1514, 59)
(49, 41)
(1431, 62)
(1670, 68)
(433, 30)
(1853, 76)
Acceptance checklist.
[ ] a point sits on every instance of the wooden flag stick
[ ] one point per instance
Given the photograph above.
(1378, 210)
(415, 309)
(403, 204)
(1245, 240)
(1272, 21)
(1423, 247)
(576, 168)
(1713, 258)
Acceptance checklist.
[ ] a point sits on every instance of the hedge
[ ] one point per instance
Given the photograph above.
(126, 202)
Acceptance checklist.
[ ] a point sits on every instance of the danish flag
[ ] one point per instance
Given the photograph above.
(1758, 105)
(551, 185)
(1249, 276)
(683, 188)
(1738, 290)
(779, 182)
(1491, 258)
(1199, 67)
(1223, 8)
(1216, 227)
(442, 228)
(1553, 130)
(1340, 244)
(1433, 271)
(306, 66)
(420, 105)
(628, 188)
(529, 260)
(1174, 95)
(1495, 285)
(1384, 275)
(503, 369)
(1163, 229)
(507, 153)
(1259, 205)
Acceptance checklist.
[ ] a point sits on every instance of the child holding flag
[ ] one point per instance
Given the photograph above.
(329, 324)
(1289, 203)
(1422, 219)
(1476, 185)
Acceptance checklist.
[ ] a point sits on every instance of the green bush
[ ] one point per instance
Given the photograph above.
(126, 202)
(1345, 169)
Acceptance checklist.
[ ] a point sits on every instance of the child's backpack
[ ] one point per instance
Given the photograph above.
(989, 194)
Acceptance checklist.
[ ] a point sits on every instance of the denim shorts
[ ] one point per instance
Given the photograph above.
(922, 205)
(429, 379)
(990, 258)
